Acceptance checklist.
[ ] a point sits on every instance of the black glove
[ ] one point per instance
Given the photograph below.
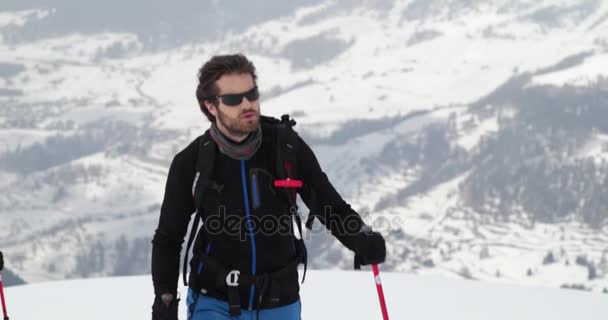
(165, 307)
(1, 261)
(369, 248)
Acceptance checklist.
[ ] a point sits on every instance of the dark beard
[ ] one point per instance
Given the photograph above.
(235, 126)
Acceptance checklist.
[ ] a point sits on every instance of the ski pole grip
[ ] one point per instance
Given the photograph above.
(288, 183)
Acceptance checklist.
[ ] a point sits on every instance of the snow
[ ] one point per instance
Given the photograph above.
(325, 295)
(596, 149)
(19, 18)
(441, 229)
(462, 64)
(18, 139)
(378, 74)
(583, 75)
(470, 138)
(425, 212)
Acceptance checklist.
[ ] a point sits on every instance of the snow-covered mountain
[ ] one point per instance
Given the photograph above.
(352, 295)
(471, 133)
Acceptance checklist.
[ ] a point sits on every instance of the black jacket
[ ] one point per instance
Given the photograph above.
(261, 243)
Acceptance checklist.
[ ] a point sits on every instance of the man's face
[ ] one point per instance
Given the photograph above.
(236, 121)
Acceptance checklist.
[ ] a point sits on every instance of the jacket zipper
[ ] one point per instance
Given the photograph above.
(250, 228)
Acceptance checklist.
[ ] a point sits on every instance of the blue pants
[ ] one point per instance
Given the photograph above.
(208, 308)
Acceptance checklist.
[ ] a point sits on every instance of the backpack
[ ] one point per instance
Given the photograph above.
(285, 171)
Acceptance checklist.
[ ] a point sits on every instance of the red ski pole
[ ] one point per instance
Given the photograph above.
(3, 301)
(380, 291)
(2, 289)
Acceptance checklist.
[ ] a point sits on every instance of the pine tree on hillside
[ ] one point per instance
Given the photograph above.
(549, 258)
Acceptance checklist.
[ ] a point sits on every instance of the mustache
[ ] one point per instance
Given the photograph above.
(248, 111)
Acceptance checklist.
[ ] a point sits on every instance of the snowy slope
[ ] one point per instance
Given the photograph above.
(325, 295)
(90, 121)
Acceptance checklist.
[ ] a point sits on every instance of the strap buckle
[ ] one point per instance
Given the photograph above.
(232, 279)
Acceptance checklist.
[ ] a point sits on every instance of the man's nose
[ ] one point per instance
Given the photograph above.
(246, 103)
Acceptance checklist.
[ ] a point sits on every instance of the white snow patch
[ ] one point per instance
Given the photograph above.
(469, 138)
(15, 139)
(20, 18)
(350, 295)
(583, 75)
(596, 149)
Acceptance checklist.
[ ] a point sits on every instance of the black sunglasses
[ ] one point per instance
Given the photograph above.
(235, 99)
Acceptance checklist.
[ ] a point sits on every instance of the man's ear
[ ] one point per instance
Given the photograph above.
(211, 107)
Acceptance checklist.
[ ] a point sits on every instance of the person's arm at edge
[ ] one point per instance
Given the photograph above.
(175, 213)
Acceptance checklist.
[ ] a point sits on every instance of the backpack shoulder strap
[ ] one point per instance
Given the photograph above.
(287, 143)
(204, 168)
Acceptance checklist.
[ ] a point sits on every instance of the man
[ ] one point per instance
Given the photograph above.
(246, 253)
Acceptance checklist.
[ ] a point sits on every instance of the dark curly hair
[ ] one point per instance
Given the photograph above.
(212, 70)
